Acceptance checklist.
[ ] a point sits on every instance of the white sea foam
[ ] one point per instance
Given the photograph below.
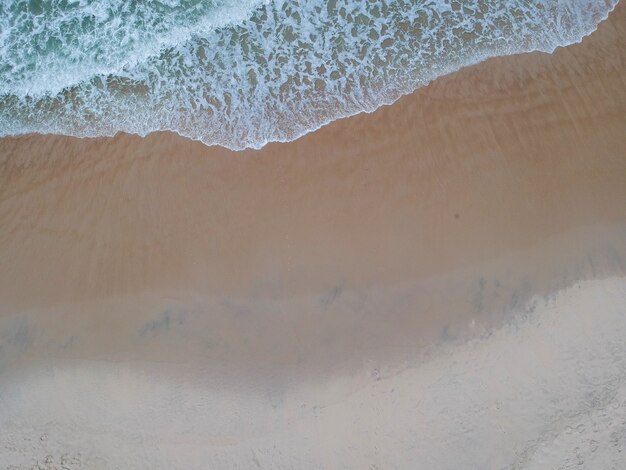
(50, 45)
(242, 74)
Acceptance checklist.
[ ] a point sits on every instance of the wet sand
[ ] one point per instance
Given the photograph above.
(209, 299)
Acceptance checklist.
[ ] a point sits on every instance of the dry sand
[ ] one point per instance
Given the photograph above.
(547, 392)
(186, 306)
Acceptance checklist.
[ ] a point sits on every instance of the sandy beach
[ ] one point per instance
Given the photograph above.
(356, 298)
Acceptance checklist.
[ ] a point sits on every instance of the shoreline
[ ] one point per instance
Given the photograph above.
(488, 164)
(327, 123)
(482, 177)
(423, 283)
(570, 25)
(488, 138)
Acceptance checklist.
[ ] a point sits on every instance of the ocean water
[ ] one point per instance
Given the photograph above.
(242, 73)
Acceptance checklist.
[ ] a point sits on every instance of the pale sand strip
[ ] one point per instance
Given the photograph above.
(548, 391)
(336, 260)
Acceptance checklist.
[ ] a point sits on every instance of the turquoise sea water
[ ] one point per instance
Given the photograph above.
(242, 73)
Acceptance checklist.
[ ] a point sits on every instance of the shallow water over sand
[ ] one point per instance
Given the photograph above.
(242, 74)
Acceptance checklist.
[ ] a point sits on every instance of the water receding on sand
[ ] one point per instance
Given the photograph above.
(245, 74)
